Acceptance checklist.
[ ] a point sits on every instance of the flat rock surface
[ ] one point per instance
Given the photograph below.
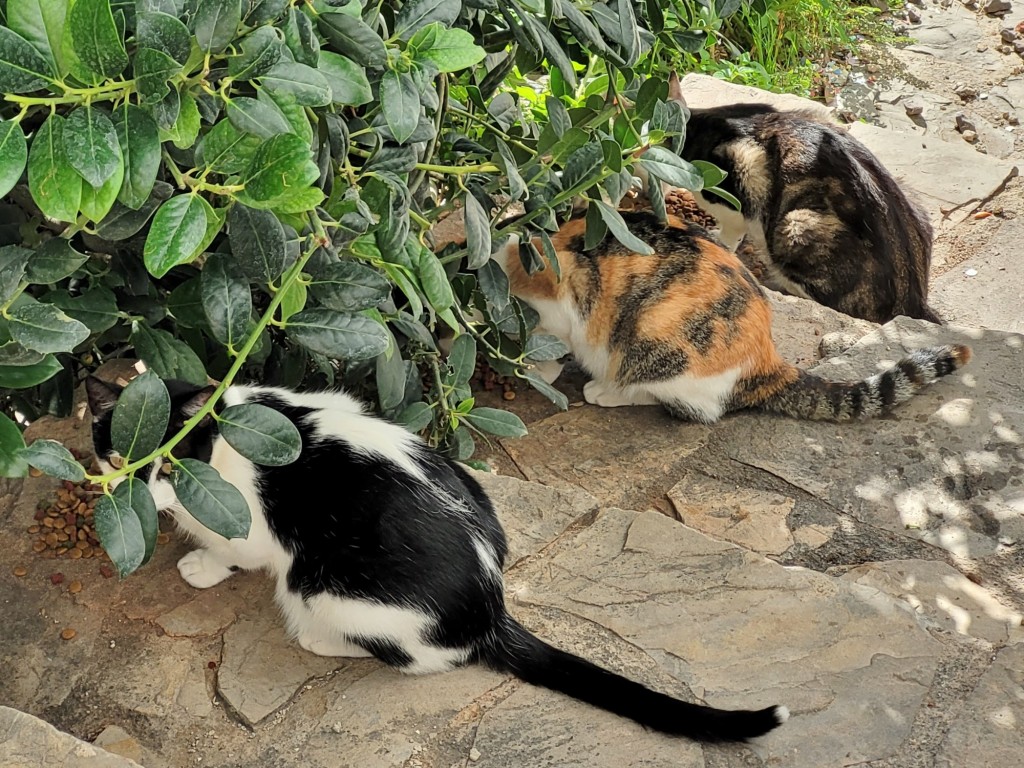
(28, 741)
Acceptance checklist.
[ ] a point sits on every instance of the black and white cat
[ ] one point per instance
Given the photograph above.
(382, 547)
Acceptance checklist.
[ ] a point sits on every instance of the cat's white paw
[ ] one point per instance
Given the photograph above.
(200, 569)
(610, 396)
(324, 646)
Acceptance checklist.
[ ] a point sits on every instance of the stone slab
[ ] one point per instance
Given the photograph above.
(28, 741)
(704, 92)
(990, 732)
(736, 629)
(947, 178)
(943, 468)
(943, 594)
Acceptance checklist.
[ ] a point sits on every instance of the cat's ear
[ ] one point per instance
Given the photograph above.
(102, 395)
(675, 89)
(197, 401)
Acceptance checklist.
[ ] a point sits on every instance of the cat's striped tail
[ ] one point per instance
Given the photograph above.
(804, 395)
(516, 650)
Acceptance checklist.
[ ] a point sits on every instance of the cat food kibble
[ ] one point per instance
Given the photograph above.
(20, 571)
(65, 523)
(75, 587)
(68, 634)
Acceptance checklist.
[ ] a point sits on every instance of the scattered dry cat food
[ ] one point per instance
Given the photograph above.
(680, 203)
(106, 571)
(56, 578)
(75, 587)
(20, 571)
(63, 525)
(68, 634)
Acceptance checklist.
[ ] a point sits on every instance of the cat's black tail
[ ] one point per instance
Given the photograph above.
(804, 395)
(517, 650)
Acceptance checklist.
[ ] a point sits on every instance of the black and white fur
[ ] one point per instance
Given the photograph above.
(382, 547)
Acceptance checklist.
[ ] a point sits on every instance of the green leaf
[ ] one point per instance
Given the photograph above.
(400, 102)
(96, 308)
(497, 422)
(44, 328)
(727, 196)
(348, 81)
(13, 354)
(547, 390)
(349, 287)
(494, 285)
(540, 347)
(710, 173)
(672, 169)
(96, 202)
(120, 532)
(390, 380)
(26, 376)
(516, 185)
(152, 71)
(416, 417)
(168, 357)
(282, 164)
(95, 38)
(257, 243)
(122, 222)
(227, 302)
(293, 300)
(140, 417)
(22, 68)
(225, 149)
(54, 260)
(450, 50)
(13, 155)
(11, 443)
(186, 126)
(210, 499)
(462, 358)
(140, 147)
(215, 23)
(177, 233)
(56, 187)
(294, 114)
(416, 14)
(163, 32)
(260, 434)
(134, 492)
(354, 39)
(301, 38)
(308, 87)
(596, 231)
(250, 116)
(54, 459)
(185, 303)
(261, 50)
(41, 22)
(584, 164)
(478, 233)
(461, 444)
(619, 229)
(13, 260)
(436, 286)
(337, 335)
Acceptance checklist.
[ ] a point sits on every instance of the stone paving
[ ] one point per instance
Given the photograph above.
(868, 576)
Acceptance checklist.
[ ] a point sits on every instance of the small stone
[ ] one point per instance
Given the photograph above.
(1007, 34)
(1018, 47)
(1005, 49)
(75, 587)
(106, 571)
(68, 634)
(1013, 120)
(56, 578)
(964, 123)
(970, 136)
(20, 571)
(913, 106)
(211, 665)
(996, 6)
(913, 16)
(916, 2)
(982, 47)
(474, 754)
(965, 92)
(972, 272)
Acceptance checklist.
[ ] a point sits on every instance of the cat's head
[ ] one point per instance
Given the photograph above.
(186, 400)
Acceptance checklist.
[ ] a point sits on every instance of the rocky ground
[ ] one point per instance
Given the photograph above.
(869, 576)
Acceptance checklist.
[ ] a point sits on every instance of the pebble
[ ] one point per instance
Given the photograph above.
(964, 123)
(474, 754)
(56, 578)
(970, 136)
(1018, 46)
(1007, 34)
(996, 6)
(913, 16)
(1005, 49)
(106, 572)
(970, 272)
(913, 106)
(20, 571)
(965, 92)
(75, 587)
(68, 634)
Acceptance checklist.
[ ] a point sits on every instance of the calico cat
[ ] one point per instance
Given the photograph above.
(404, 565)
(821, 218)
(689, 328)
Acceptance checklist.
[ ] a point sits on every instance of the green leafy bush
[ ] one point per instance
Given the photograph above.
(245, 190)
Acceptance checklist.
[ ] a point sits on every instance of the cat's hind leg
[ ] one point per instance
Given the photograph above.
(609, 395)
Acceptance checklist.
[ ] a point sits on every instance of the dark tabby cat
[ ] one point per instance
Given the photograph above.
(689, 328)
(821, 218)
(407, 566)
